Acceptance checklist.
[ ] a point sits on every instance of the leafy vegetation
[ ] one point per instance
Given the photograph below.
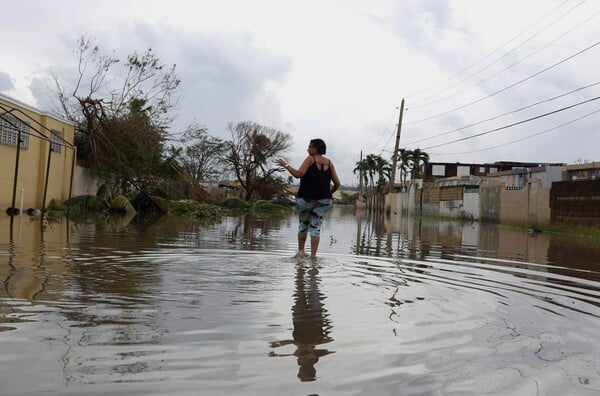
(123, 109)
(121, 115)
(209, 213)
(264, 207)
(56, 206)
(235, 203)
(348, 199)
(84, 203)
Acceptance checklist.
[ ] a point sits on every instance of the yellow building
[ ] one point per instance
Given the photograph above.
(42, 134)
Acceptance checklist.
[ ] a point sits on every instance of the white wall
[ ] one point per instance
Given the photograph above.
(471, 203)
(83, 182)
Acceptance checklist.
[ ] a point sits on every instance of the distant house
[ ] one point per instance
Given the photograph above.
(520, 177)
(441, 170)
(587, 171)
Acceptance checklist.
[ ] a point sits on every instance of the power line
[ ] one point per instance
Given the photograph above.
(491, 53)
(505, 114)
(562, 35)
(526, 137)
(514, 123)
(387, 142)
(510, 86)
(385, 130)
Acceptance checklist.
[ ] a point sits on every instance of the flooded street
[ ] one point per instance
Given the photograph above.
(410, 306)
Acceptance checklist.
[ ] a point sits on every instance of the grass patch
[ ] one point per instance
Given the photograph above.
(268, 207)
(235, 203)
(561, 227)
(209, 213)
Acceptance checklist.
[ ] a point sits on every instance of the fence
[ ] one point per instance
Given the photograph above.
(575, 200)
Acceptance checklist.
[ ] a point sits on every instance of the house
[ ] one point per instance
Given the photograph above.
(586, 171)
(441, 170)
(452, 197)
(42, 163)
(520, 177)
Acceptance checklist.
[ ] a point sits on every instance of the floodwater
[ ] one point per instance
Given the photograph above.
(402, 307)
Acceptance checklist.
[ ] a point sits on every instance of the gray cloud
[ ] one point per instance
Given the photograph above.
(42, 93)
(223, 77)
(422, 23)
(6, 83)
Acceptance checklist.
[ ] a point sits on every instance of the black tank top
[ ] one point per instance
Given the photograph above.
(316, 183)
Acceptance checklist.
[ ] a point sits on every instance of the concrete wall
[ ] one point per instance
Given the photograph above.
(471, 203)
(451, 208)
(83, 182)
(539, 204)
(531, 205)
(490, 202)
(514, 206)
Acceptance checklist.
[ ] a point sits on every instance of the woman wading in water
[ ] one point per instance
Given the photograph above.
(314, 196)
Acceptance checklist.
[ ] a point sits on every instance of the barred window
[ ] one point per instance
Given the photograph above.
(9, 131)
(55, 144)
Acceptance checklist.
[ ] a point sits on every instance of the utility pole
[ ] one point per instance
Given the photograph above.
(360, 178)
(395, 157)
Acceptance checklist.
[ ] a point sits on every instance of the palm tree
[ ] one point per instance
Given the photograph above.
(383, 169)
(371, 167)
(404, 160)
(417, 159)
(361, 168)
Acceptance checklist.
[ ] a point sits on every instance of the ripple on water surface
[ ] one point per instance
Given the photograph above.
(218, 311)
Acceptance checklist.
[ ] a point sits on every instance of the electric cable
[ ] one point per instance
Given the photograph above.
(526, 137)
(562, 35)
(491, 53)
(509, 86)
(514, 123)
(504, 114)
(385, 130)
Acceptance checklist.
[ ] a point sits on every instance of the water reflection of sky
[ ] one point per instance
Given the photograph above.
(403, 306)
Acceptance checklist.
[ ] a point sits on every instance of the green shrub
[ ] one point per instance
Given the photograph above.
(183, 208)
(56, 206)
(348, 199)
(209, 213)
(121, 204)
(162, 203)
(85, 203)
(271, 207)
(235, 203)
(104, 193)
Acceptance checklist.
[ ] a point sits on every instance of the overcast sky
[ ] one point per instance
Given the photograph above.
(339, 69)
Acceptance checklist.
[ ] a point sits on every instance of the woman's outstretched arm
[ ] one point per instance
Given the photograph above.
(297, 173)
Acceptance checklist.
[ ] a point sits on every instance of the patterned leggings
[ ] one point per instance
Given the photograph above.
(311, 212)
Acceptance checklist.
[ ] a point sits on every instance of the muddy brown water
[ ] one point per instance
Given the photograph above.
(404, 306)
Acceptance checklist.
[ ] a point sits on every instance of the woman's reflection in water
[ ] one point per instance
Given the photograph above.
(311, 323)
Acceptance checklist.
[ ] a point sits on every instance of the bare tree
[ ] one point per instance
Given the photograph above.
(203, 155)
(252, 151)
